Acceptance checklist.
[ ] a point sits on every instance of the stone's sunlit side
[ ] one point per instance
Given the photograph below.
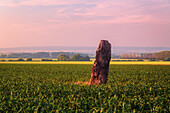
(100, 69)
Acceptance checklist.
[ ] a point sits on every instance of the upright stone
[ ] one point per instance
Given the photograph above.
(100, 67)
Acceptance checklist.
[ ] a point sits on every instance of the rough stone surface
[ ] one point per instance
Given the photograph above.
(100, 69)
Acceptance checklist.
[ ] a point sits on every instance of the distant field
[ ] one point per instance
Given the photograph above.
(113, 61)
(34, 59)
(89, 62)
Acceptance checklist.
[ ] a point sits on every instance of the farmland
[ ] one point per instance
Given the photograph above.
(51, 88)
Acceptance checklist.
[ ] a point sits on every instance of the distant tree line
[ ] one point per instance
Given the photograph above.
(61, 57)
(71, 56)
(164, 55)
(39, 55)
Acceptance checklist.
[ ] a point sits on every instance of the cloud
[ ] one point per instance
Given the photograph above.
(84, 19)
(100, 11)
(114, 11)
(16, 3)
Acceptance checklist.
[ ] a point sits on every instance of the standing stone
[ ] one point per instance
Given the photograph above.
(100, 67)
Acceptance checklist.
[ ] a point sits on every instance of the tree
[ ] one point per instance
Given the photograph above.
(167, 59)
(21, 59)
(63, 57)
(140, 60)
(153, 59)
(46, 59)
(78, 57)
(86, 58)
(29, 59)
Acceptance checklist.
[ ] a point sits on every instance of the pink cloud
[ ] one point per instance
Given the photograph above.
(83, 20)
(110, 11)
(133, 19)
(12, 3)
(106, 12)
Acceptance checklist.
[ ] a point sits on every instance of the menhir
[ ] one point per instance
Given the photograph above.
(100, 69)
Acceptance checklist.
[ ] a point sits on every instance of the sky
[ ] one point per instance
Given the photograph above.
(127, 23)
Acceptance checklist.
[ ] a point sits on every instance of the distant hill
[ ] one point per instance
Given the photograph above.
(162, 54)
(88, 50)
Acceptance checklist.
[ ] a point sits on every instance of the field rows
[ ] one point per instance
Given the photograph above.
(50, 88)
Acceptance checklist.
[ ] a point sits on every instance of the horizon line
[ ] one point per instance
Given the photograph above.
(81, 46)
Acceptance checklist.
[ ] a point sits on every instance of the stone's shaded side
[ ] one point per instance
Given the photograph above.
(100, 67)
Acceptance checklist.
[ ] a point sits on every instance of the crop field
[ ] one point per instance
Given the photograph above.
(52, 88)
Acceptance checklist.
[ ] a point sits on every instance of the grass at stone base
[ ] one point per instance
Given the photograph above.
(89, 62)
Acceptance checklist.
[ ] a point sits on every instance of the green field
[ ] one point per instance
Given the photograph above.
(51, 88)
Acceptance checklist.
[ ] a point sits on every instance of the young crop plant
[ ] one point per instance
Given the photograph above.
(52, 88)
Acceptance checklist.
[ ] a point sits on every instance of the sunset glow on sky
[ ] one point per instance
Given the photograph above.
(141, 23)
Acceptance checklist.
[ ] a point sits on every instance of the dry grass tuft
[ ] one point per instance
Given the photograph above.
(82, 83)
